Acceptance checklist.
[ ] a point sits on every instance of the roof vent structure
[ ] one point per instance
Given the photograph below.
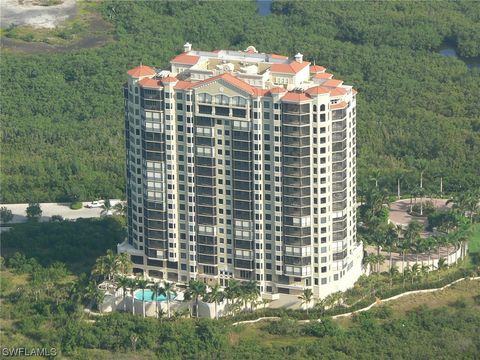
(299, 58)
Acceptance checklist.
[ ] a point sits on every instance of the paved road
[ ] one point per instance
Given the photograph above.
(49, 209)
(399, 210)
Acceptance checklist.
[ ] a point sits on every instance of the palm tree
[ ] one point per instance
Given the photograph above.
(306, 298)
(94, 294)
(421, 165)
(391, 241)
(143, 284)
(169, 292)
(472, 204)
(415, 271)
(412, 235)
(232, 291)
(379, 260)
(459, 202)
(404, 246)
(124, 264)
(424, 270)
(406, 273)
(368, 261)
(375, 176)
(244, 295)
(321, 305)
(120, 208)
(392, 272)
(133, 285)
(123, 283)
(215, 295)
(106, 208)
(441, 265)
(252, 292)
(106, 266)
(157, 290)
(187, 297)
(265, 302)
(196, 289)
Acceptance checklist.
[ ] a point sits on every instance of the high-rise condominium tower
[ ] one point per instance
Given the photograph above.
(242, 165)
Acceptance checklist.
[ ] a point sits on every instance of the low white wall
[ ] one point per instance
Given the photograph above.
(410, 260)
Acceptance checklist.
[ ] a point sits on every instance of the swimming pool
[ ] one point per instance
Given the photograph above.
(147, 296)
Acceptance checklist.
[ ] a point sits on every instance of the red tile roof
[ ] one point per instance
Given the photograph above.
(230, 79)
(184, 85)
(277, 90)
(295, 97)
(332, 83)
(141, 70)
(259, 91)
(149, 83)
(354, 92)
(338, 91)
(339, 105)
(185, 59)
(317, 69)
(323, 76)
(276, 56)
(168, 79)
(317, 90)
(292, 68)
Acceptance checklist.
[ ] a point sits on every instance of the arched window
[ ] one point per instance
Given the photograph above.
(314, 108)
(238, 101)
(221, 99)
(204, 98)
(322, 107)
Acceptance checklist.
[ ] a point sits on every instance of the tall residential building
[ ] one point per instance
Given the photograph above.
(241, 165)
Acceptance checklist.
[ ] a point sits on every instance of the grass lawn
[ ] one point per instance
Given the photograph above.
(474, 243)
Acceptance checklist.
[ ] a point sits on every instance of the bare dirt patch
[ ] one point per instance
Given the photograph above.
(65, 27)
(35, 14)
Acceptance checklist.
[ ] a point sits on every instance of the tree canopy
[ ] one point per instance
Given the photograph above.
(62, 121)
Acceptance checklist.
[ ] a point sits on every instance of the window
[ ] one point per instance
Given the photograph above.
(222, 99)
(204, 98)
(238, 101)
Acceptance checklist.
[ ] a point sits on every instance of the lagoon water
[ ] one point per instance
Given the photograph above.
(264, 7)
(451, 52)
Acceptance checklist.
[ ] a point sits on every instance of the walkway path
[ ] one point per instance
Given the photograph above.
(399, 210)
(377, 302)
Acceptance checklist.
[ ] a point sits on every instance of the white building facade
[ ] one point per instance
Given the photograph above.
(242, 165)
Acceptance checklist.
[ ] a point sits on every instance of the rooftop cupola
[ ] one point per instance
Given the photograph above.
(299, 58)
(187, 47)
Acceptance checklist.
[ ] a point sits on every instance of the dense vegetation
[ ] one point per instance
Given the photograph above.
(50, 316)
(62, 119)
(75, 243)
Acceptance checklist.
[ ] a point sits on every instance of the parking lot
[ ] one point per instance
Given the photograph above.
(50, 209)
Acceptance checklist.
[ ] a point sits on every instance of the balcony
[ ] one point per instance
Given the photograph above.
(298, 271)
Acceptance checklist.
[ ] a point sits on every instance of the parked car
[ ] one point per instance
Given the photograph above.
(95, 204)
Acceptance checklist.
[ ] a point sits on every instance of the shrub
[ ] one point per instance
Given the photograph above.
(476, 298)
(325, 327)
(460, 303)
(76, 205)
(284, 326)
(382, 312)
